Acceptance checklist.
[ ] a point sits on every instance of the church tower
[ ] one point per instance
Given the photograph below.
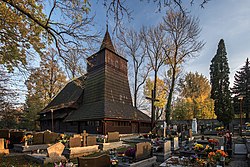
(104, 103)
(107, 76)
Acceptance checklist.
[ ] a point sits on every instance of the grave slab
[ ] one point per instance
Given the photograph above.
(75, 142)
(108, 146)
(113, 137)
(80, 151)
(30, 148)
(55, 149)
(2, 148)
(4, 133)
(98, 161)
(240, 149)
(37, 138)
(43, 159)
(143, 151)
(149, 162)
(175, 144)
(166, 153)
(16, 137)
(50, 137)
(91, 140)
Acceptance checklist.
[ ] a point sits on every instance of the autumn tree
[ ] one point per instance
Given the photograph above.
(154, 40)
(132, 44)
(160, 95)
(242, 87)
(27, 25)
(74, 64)
(9, 115)
(43, 84)
(195, 92)
(183, 43)
(219, 78)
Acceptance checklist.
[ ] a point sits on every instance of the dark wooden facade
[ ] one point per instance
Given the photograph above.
(102, 102)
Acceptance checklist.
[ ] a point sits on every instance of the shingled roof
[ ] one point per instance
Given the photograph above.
(107, 109)
(107, 43)
(68, 96)
(104, 90)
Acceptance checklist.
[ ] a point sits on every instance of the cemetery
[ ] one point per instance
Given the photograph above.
(149, 149)
(92, 119)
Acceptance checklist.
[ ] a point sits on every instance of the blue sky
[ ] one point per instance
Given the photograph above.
(226, 19)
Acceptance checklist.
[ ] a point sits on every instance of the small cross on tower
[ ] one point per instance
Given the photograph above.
(153, 100)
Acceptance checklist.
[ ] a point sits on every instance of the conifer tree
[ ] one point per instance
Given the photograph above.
(219, 78)
(242, 87)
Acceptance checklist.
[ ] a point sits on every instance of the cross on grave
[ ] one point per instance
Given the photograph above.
(153, 100)
(84, 136)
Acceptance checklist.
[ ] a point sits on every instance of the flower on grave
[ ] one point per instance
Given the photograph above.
(130, 152)
(217, 156)
(114, 162)
(24, 139)
(200, 161)
(198, 147)
(208, 148)
(63, 138)
(101, 139)
(221, 153)
(213, 141)
(193, 158)
(27, 138)
(219, 128)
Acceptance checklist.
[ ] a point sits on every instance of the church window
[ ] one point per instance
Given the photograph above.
(91, 123)
(97, 123)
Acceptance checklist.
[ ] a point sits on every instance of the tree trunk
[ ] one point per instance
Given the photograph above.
(168, 105)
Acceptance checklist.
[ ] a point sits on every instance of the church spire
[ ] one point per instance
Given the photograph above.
(107, 43)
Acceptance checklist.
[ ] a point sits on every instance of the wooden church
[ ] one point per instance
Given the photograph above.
(98, 102)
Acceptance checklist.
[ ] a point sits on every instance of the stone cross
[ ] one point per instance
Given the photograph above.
(84, 136)
(153, 100)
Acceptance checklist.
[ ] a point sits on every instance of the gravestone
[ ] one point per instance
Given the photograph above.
(75, 142)
(175, 143)
(54, 155)
(194, 126)
(16, 137)
(113, 136)
(55, 150)
(167, 146)
(240, 149)
(143, 151)
(4, 133)
(50, 137)
(165, 129)
(77, 135)
(38, 138)
(84, 137)
(166, 151)
(99, 161)
(190, 133)
(2, 149)
(1, 143)
(175, 127)
(91, 140)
